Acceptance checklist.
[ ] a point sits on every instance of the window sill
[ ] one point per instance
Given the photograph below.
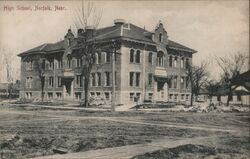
(134, 63)
(134, 86)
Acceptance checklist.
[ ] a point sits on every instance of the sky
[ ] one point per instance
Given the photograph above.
(213, 28)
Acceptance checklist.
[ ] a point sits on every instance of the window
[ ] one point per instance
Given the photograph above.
(29, 65)
(43, 64)
(182, 62)
(170, 96)
(218, 98)
(230, 97)
(170, 61)
(78, 62)
(138, 97)
(138, 56)
(98, 58)
(175, 82)
(131, 78)
(175, 61)
(98, 94)
(187, 97)
(187, 82)
(131, 55)
(60, 64)
(182, 96)
(78, 95)
(50, 95)
(137, 79)
(182, 82)
(238, 97)
(160, 37)
(28, 95)
(29, 81)
(131, 96)
(51, 65)
(134, 76)
(170, 83)
(150, 96)
(99, 79)
(187, 63)
(92, 94)
(78, 81)
(107, 95)
(175, 97)
(93, 79)
(107, 78)
(150, 79)
(107, 57)
(150, 58)
(160, 61)
(68, 62)
(58, 95)
(51, 81)
(59, 82)
(69, 42)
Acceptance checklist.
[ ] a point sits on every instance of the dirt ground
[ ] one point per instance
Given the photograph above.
(27, 132)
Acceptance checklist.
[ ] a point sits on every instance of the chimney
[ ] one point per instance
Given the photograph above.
(80, 32)
(89, 31)
(119, 22)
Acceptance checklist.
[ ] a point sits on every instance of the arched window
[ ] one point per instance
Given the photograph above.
(69, 61)
(98, 58)
(182, 62)
(138, 56)
(99, 79)
(150, 57)
(107, 57)
(69, 42)
(160, 59)
(170, 61)
(175, 61)
(160, 37)
(187, 63)
(132, 55)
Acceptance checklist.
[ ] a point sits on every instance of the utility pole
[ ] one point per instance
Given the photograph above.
(113, 76)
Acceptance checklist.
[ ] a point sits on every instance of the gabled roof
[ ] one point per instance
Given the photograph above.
(242, 80)
(47, 47)
(127, 31)
(175, 45)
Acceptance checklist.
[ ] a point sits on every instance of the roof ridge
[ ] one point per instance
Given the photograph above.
(44, 45)
(107, 33)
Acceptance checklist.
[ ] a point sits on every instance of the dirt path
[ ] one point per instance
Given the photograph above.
(60, 117)
(126, 152)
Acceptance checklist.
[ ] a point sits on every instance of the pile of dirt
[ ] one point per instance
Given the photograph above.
(190, 150)
(28, 146)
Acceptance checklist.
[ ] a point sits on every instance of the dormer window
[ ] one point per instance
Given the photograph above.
(69, 42)
(160, 59)
(160, 37)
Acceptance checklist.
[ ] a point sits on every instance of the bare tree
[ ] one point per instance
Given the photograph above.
(200, 75)
(87, 15)
(39, 66)
(231, 66)
(7, 62)
(212, 87)
(197, 76)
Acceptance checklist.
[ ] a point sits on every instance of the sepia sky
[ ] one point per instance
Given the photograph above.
(213, 28)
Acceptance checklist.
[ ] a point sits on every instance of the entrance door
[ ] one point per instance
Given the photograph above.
(160, 91)
(68, 88)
